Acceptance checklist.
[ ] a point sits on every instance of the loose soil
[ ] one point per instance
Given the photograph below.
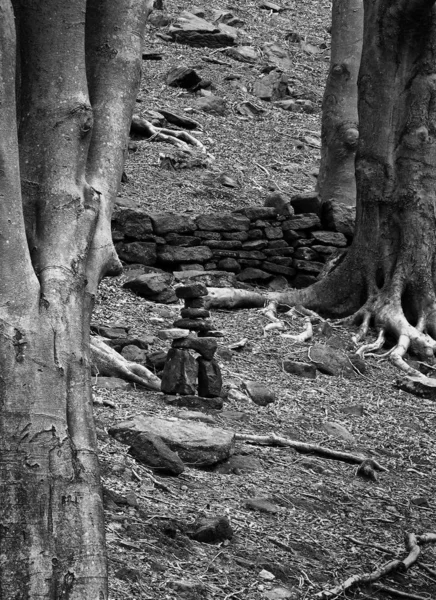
(327, 520)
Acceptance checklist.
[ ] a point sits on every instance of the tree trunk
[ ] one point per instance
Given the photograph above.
(339, 126)
(51, 515)
(388, 275)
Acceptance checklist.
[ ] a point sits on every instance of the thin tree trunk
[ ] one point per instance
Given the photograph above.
(339, 127)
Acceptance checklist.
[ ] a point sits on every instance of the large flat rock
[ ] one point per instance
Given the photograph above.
(197, 444)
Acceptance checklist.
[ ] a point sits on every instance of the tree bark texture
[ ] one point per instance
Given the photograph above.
(388, 275)
(339, 126)
(56, 191)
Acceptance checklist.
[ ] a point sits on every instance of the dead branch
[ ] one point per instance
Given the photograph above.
(412, 543)
(304, 448)
(230, 298)
(394, 592)
(181, 139)
(369, 545)
(108, 362)
(304, 336)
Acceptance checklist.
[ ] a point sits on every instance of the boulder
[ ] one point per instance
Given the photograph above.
(193, 30)
(210, 381)
(180, 373)
(260, 394)
(299, 368)
(204, 346)
(197, 444)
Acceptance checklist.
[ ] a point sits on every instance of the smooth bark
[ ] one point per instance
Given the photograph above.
(339, 126)
(52, 205)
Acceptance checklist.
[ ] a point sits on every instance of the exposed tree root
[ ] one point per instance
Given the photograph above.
(181, 139)
(109, 363)
(413, 545)
(275, 440)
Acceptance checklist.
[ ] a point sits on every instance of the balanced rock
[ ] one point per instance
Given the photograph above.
(210, 381)
(180, 373)
(194, 313)
(201, 325)
(205, 346)
(172, 334)
(193, 290)
(197, 444)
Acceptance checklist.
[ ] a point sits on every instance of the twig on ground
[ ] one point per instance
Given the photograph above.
(181, 139)
(369, 545)
(275, 440)
(394, 592)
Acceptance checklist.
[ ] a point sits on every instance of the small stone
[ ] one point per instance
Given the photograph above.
(212, 105)
(211, 333)
(172, 334)
(180, 373)
(261, 505)
(279, 593)
(338, 431)
(301, 369)
(259, 393)
(134, 354)
(211, 529)
(206, 346)
(193, 290)
(210, 380)
(182, 77)
(200, 325)
(267, 575)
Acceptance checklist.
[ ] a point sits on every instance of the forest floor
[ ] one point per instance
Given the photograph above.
(324, 524)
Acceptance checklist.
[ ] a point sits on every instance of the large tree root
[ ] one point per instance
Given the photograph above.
(181, 139)
(275, 440)
(413, 546)
(107, 362)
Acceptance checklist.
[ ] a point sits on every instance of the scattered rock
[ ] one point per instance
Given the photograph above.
(338, 431)
(180, 373)
(278, 56)
(211, 529)
(192, 30)
(331, 361)
(298, 368)
(366, 470)
(197, 444)
(149, 449)
(212, 105)
(243, 54)
(183, 77)
(239, 463)
(272, 86)
(260, 393)
(189, 590)
(261, 505)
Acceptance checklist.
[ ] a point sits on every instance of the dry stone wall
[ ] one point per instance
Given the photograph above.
(257, 244)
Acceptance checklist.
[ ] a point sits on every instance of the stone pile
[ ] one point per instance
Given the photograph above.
(183, 375)
(257, 244)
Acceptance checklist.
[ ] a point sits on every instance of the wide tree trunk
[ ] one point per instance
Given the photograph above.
(339, 125)
(388, 275)
(51, 515)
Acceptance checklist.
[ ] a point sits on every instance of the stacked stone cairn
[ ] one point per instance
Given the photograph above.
(184, 375)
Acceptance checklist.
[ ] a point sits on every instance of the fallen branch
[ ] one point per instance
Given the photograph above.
(181, 139)
(412, 542)
(369, 545)
(230, 298)
(304, 448)
(108, 362)
(304, 336)
(394, 592)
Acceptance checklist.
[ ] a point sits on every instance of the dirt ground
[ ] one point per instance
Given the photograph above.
(328, 524)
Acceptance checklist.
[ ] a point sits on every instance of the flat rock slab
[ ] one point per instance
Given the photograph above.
(259, 393)
(331, 361)
(197, 444)
(151, 450)
(211, 529)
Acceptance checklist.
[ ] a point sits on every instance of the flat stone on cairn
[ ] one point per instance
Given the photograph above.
(192, 290)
